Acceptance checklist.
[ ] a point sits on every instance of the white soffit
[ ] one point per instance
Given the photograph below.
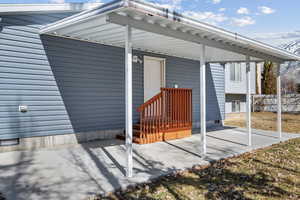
(155, 30)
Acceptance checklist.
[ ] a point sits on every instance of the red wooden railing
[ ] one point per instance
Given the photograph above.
(170, 110)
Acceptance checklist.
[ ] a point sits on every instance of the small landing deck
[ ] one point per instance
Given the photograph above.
(158, 137)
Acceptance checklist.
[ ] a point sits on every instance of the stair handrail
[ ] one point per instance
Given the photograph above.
(148, 102)
(170, 109)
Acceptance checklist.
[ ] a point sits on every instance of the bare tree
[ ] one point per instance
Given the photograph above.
(269, 78)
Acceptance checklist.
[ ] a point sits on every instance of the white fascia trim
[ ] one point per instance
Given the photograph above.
(12, 9)
(83, 16)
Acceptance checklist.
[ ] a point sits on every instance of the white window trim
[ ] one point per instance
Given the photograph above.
(234, 103)
(233, 65)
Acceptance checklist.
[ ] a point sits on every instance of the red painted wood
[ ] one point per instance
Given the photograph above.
(170, 110)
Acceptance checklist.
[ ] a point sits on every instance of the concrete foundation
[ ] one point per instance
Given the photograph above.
(60, 140)
(53, 141)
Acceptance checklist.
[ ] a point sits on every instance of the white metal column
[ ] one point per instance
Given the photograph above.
(128, 93)
(279, 126)
(203, 99)
(248, 106)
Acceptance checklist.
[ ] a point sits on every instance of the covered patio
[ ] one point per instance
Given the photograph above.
(98, 168)
(138, 25)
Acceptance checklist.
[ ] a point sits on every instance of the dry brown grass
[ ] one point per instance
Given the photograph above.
(270, 173)
(268, 121)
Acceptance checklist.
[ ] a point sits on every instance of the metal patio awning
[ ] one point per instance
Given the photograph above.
(157, 30)
(133, 24)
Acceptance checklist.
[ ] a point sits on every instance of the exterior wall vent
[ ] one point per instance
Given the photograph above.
(217, 121)
(9, 142)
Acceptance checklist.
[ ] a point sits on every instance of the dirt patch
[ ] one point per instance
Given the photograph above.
(269, 173)
(268, 121)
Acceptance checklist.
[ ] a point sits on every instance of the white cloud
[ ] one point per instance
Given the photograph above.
(216, 1)
(244, 21)
(208, 17)
(170, 4)
(266, 10)
(243, 11)
(222, 9)
(57, 1)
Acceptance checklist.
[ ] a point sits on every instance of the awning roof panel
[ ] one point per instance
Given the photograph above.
(157, 30)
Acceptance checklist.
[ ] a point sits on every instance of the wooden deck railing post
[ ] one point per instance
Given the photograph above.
(171, 109)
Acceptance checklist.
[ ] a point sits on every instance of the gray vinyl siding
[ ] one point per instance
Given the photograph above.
(73, 86)
(26, 78)
(215, 81)
(185, 73)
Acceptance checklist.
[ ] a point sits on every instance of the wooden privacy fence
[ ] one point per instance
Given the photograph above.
(167, 112)
(268, 103)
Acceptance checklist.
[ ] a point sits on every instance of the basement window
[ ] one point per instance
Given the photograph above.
(236, 72)
(236, 106)
(9, 142)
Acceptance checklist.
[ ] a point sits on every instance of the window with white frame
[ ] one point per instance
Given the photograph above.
(235, 72)
(236, 106)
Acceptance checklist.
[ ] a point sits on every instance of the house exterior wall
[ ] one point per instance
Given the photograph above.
(239, 87)
(236, 90)
(73, 86)
(235, 97)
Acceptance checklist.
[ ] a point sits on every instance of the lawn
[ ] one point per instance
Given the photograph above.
(267, 121)
(270, 173)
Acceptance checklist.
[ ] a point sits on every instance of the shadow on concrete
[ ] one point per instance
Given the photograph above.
(92, 161)
(150, 167)
(265, 133)
(212, 129)
(183, 149)
(225, 140)
(105, 170)
(21, 181)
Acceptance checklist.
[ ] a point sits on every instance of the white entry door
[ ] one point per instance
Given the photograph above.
(154, 76)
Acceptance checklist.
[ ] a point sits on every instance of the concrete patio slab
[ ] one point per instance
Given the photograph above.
(80, 171)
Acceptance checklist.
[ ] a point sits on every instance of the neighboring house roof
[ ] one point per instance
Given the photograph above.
(12, 9)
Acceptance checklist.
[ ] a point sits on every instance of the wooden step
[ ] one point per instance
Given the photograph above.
(135, 139)
(137, 126)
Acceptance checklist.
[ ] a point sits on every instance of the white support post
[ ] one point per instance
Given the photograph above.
(128, 98)
(279, 125)
(203, 99)
(248, 106)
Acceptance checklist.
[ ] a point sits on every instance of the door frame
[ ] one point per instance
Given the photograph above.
(162, 70)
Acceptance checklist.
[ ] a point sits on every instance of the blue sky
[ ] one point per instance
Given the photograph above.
(272, 21)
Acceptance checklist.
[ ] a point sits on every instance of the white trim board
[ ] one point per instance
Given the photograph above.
(162, 71)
